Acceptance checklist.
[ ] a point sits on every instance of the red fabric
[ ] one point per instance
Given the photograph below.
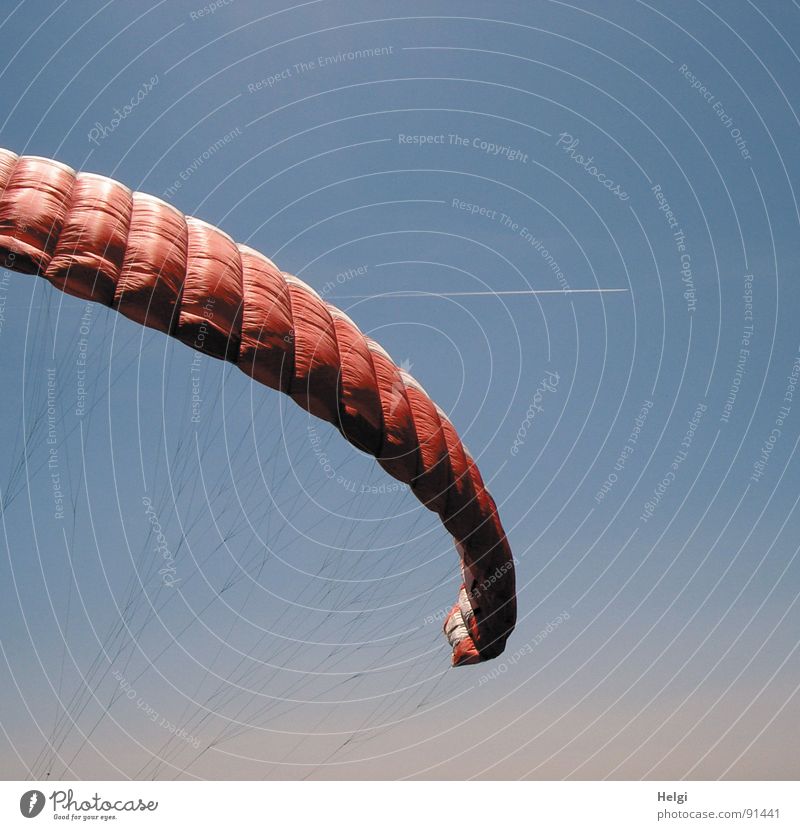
(91, 237)
(210, 318)
(91, 246)
(32, 212)
(155, 264)
(266, 351)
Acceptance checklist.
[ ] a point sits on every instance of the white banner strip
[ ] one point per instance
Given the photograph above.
(403, 805)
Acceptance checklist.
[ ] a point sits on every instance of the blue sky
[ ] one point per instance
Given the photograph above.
(445, 149)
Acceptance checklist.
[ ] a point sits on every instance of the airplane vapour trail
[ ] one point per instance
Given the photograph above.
(482, 293)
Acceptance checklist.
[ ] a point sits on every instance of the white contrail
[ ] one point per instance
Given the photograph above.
(481, 293)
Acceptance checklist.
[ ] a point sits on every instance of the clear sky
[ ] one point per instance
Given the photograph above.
(641, 443)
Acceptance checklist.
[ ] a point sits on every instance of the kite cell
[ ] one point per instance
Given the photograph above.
(92, 237)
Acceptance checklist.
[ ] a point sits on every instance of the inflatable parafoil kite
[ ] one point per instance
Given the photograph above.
(92, 237)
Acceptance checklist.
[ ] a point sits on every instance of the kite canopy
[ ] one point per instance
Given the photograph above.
(94, 238)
